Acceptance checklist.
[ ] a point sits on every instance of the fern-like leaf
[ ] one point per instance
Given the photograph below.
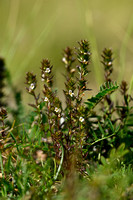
(105, 89)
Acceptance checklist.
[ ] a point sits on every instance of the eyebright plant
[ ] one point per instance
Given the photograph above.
(70, 128)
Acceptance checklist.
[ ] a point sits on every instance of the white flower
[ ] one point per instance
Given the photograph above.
(56, 109)
(62, 120)
(85, 61)
(81, 119)
(94, 148)
(32, 86)
(47, 70)
(71, 93)
(72, 70)
(43, 75)
(43, 79)
(110, 63)
(45, 99)
(64, 60)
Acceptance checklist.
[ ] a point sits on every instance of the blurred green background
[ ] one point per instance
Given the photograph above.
(31, 30)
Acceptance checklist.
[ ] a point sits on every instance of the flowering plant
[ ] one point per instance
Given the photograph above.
(69, 128)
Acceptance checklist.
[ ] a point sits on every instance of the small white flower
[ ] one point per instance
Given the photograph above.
(94, 148)
(71, 93)
(85, 61)
(81, 119)
(110, 63)
(47, 70)
(32, 86)
(45, 99)
(64, 60)
(72, 70)
(62, 119)
(56, 109)
(43, 79)
(43, 75)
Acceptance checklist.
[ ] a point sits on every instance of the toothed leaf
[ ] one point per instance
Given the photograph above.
(105, 89)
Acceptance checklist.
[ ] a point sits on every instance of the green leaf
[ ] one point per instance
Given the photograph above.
(103, 160)
(101, 129)
(105, 89)
(111, 125)
(1, 164)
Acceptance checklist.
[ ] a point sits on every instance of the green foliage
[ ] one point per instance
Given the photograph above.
(79, 151)
(105, 89)
(109, 180)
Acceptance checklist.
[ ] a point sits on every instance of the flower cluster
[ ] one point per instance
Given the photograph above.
(31, 82)
(75, 86)
(68, 58)
(83, 55)
(46, 72)
(123, 88)
(53, 107)
(124, 110)
(70, 88)
(108, 63)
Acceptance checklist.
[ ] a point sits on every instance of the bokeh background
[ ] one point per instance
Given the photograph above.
(31, 30)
